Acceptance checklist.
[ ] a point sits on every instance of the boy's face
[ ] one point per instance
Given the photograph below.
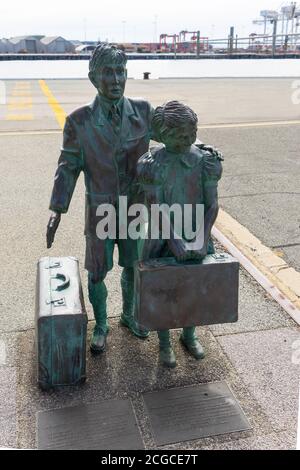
(110, 80)
(180, 139)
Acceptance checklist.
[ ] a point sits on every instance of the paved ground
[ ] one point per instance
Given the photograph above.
(260, 188)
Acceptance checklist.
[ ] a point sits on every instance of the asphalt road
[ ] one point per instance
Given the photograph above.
(214, 100)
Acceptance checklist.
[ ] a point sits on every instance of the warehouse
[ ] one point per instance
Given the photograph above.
(28, 44)
(56, 45)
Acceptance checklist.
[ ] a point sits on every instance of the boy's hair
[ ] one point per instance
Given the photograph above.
(106, 54)
(172, 115)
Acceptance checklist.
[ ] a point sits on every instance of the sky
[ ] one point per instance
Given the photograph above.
(130, 20)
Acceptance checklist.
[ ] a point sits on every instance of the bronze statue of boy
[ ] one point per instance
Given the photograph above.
(104, 140)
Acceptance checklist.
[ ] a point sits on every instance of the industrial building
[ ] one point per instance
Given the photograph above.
(29, 44)
(6, 47)
(56, 45)
(37, 44)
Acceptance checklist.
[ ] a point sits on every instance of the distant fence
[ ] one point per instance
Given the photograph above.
(233, 55)
(252, 47)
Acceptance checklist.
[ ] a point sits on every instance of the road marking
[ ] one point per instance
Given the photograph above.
(21, 84)
(19, 117)
(25, 100)
(21, 93)
(21, 88)
(22, 101)
(54, 104)
(280, 280)
(12, 133)
(21, 105)
(17, 107)
(2, 92)
(251, 124)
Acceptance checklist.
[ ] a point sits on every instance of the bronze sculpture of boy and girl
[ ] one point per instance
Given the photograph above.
(109, 141)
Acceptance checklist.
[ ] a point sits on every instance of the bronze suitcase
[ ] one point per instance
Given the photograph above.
(61, 323)
(176, 295)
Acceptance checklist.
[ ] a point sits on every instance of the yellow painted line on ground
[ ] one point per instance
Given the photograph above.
(17, 106)
(251, 124)
(25, 100)
(22, 85)
(54, 104)
(21, 93)
(19, 117)
(276, 270)
(17, 133)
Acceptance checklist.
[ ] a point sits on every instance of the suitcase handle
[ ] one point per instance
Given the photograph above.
(65, 281)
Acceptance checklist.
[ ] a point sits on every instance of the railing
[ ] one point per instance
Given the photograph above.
(277, 46)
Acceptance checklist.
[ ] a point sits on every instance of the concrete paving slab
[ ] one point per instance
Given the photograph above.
(265, 362)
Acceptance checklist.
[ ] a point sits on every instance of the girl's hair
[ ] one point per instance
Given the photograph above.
(172, 115)
(106, 54)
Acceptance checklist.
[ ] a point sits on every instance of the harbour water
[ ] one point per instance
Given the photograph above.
(68, 69)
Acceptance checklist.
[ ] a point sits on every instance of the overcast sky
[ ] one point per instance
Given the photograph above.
(130, 20)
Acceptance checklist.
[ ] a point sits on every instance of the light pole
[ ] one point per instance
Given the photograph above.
(155, 29)
(84, 29)
(124, 28)
(274, 37)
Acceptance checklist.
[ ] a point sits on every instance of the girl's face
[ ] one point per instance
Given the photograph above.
(180, 139)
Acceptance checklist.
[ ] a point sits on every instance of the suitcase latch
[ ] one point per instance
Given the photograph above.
(57, 302)
(55, 265)
(220, 256)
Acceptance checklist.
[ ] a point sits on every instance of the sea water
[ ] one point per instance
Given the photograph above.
(187, 68)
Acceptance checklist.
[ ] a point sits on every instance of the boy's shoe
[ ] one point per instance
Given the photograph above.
(98, 341)
(132, 325)
(194, 347)
(167, 357)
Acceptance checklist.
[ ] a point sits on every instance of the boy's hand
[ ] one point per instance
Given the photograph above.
(52, 227)
(209, 148)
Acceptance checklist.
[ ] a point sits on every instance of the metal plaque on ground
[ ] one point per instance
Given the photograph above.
(188, 413)
(109, 425)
